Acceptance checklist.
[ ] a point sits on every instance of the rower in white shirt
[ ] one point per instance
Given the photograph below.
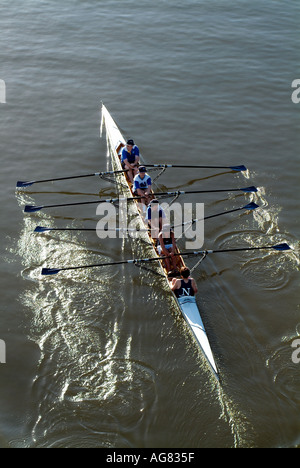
(142, 186)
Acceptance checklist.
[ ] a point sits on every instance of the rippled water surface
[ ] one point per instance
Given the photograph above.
(100, 358)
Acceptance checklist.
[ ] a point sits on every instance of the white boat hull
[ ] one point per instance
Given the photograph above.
(192, 316)
(187, 306)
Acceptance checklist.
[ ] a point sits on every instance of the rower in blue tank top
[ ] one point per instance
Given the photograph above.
(186, 286)
(155, 216)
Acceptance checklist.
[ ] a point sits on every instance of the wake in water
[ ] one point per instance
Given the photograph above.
(86, 360)
(264, 272)
(86, 366)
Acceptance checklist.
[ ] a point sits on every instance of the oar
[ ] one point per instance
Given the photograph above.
(250, 206)
(41, 229)
(21, 184)
(33, 208)
(280, 248)
(55, 271)
(233, 168)
(251, 189)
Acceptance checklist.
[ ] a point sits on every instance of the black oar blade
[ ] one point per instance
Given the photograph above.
(42, 229)
(251, 206)
(32, 208)
(282, 247)
(249, 189)
(238, 168)
(21, 184)
(50, 271)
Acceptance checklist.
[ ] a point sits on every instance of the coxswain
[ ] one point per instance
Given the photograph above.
(142, 186)
(130, 159)
(186, 286)
(167, 247)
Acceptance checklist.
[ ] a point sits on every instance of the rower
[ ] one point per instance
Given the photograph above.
(142, 186)
(130, 159)
(155, 216)
(167, 247)
(186, 286)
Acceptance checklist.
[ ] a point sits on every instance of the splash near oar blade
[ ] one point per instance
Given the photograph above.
(42, 229)
(238, 168)
(21, 184)
(282, 247)
(50, 271)
(251, 206)
(249, 189)
(32, 208)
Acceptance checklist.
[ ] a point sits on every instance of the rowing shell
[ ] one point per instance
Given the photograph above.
(187, 305)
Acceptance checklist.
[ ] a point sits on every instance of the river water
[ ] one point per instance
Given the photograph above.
(100, 358)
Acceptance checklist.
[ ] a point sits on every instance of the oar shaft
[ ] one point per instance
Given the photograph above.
(251, 189)
(179, 166)
(251, 207)
(241, 249)
(51, 271)
(223, 213)
(41, 229)
(32, 208)
(54, 271)
(21, 184)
